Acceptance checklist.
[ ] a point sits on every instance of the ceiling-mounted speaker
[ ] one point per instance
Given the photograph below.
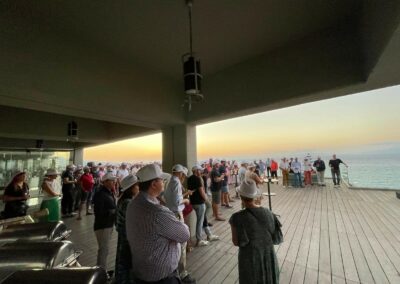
(39, 144)
(73, 130)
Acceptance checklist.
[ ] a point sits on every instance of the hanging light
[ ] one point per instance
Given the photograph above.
(191, 69)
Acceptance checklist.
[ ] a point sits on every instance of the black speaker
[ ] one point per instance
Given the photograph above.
(39, 144)
(192, 76)
(72, 129)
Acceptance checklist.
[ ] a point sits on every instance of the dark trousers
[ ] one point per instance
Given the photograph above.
(335, 176)
(274, 174)
(67, 201)
(268, 171)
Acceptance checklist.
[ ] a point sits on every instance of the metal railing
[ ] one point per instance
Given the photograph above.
(344, 175)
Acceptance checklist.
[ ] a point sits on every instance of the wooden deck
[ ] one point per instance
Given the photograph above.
(330, 236)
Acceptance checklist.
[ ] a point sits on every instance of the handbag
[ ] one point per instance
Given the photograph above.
(277, 235)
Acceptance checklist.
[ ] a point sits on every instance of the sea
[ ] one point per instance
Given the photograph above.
(366, 170)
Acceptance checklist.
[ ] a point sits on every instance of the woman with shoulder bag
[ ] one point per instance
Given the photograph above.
(252, 230)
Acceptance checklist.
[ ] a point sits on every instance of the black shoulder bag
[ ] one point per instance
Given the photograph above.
(277, 236)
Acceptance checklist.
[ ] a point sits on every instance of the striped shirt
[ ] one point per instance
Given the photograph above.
(173, 195)
(154, 234)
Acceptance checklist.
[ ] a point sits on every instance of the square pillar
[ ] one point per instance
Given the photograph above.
(76, 156)
(179, 146)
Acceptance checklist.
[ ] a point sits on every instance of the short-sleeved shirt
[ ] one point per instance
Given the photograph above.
(12, 208)
(319, 165)
(335, 163)
(222, 170)
(69, 175)
(215, 185)
(87, 182)
(194, 183)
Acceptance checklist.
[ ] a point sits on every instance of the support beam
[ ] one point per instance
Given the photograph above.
(76, 156)
(179, 146)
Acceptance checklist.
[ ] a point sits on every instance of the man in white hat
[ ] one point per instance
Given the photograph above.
(154, 233)
(104, 217)
(176, 203)
(123, 260)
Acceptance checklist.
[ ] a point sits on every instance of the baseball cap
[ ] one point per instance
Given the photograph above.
(150, 172)
(178, 168)
(128, 181)
(109, 176)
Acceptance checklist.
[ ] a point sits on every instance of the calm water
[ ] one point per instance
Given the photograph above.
(371, 170)
(374, 171)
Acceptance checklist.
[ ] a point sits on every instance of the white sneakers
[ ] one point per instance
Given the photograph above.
(212, 238)
(202, 243)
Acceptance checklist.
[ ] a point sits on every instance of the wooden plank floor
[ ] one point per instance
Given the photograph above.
(331, 235)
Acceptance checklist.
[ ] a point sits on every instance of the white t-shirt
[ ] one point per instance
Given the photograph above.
(54, 185)
(122, 173)
(284, 165)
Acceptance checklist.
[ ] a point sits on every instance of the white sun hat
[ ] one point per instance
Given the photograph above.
(109, 176)
(128, 181)
(178, 168)
(51, 172)
(150, 172)
(248, 189)
(197, 167)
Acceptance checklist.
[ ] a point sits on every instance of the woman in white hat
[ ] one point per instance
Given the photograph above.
(51, 194)
(251, 175)
(251, 232)
(15, 195)
(123, 261)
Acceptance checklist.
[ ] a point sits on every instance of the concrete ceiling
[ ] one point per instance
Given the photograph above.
(120, 61)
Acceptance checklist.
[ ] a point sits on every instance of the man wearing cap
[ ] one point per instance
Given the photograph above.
(198, 199)
(154, 233)
(176, 203)
(104, 217)
(216, 184)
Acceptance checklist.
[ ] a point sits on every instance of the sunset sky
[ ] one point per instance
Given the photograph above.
(327, 126)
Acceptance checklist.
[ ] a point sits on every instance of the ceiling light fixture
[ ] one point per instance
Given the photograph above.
(191, 69)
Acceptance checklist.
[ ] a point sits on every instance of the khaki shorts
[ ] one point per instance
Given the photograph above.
(216, 196)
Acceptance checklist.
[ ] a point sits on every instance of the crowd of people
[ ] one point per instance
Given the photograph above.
(149, 209)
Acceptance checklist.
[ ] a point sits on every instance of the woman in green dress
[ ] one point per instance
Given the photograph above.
(251, 232)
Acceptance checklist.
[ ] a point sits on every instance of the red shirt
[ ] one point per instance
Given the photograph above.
(274, 166)
(87, 182)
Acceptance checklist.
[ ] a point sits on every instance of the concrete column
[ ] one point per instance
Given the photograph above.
(179, 146)
(76, 156)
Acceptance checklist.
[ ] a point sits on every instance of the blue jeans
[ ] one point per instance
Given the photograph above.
(200, 212)
(297, 180)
